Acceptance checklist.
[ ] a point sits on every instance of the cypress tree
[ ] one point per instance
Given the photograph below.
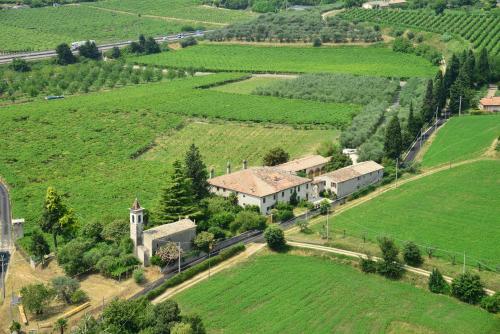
(483, 67)
(439, 91)
(196, 170)
(460, 88)
(413, 125)
(451, 73)
(393, 145)
(177, 199)
(428, 104)
(470, 65)
(437, 284)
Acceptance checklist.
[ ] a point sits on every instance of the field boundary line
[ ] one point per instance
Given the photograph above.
(340, 251)
(166, 18)
(251, 250)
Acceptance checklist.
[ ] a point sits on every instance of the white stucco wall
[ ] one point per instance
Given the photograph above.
(348, 187)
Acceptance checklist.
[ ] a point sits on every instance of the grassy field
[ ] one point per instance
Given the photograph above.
(246, 86)
(190, 10)
(282, 293)
(45, 28)
(235, 142)
(462, 138)
(376, 61)
(84, 145)
(455, 210)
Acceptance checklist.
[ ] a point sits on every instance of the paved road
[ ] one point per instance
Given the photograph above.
(5, 217)
(417, 145)
(37, 55)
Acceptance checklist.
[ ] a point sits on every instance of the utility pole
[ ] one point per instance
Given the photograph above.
(460, 106)
(3, 277)
(209, 264)
(327, 213)
(179, 249)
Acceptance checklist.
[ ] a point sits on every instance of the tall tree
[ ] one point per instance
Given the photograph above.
(460, 93)
(439, 94)
(337, 158)
(196, 171)
(393, 145)
(428, 104)
(90, 50)
(414, 123)
(64, 55)
(451, 73)
(56, 218)
(177, 198)
(483, 67)
(470, 66)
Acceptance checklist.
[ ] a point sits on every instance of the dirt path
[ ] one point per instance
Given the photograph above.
(417, 271)
(277, 76)
(250, 250)
(166, 18)
(492, 89)
(334, 12)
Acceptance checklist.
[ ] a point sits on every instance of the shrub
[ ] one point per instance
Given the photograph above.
(390, 266)
(190, 41)
(275, 237)
(491, 303)
(15, 327)
(368, 265)
(317, 42)
(78, 297)
(468, 288)
(138, 275)
(64, 287)
(411, 255)
(437, 284)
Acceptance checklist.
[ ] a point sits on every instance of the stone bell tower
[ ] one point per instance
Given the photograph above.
(136, 224)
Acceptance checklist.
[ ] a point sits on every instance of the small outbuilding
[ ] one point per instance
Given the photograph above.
(490, 103)
(311, 165)
(347, 180)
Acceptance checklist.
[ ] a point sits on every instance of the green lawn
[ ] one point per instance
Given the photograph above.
(377, 61)
(45, 28)
(83, 144)
(246, 86)
(191, 10)
(462, 138)
(222, 142)
(282, 293)
(455, 210)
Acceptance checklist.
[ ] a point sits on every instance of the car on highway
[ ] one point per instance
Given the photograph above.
(76, 45)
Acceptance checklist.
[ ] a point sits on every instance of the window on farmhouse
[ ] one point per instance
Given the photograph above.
(282, 194)
(264, 200)
(133, 219)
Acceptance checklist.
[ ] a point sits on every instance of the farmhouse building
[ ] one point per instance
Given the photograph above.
(383, 4)
(311, 165)
(146, 242)
(490, 103)
(347, 180)
(261, 186)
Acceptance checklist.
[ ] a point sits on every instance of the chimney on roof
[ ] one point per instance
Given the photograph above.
(245, 164)
(212, 173)
(228, 168)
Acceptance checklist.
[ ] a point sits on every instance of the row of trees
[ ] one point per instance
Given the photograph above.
(299, 26)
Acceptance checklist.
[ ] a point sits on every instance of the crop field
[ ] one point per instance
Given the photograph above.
(283, 293)
(376, 61)
(482, 30)
(235, 142)
(85, 145)
(247, 86)
(45, 28)
(462, 138)
(189, 10)
(454, 210)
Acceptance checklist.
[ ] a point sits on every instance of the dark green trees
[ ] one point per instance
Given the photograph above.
(437, 284)
(390, 266)
(64, 55)
(483, 67)
(90, 50)
(56, 218)
(393, 145)
(275, 157)
(275, 237)
(412, 255)
(38, 246)
(196, 170)
(428, 108)
(468, 288)
(177, 198)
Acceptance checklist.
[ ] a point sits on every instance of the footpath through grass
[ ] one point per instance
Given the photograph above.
(85, 145)
(283, 293)
(455, 210)
(376, 61)
(462, 138)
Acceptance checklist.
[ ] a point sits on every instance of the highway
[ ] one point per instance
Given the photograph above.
(38, 55)
(5, 218)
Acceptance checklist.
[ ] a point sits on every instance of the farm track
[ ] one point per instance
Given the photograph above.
(339, 251)
(165, 18)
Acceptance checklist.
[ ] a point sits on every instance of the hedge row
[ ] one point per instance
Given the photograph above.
(194, 270)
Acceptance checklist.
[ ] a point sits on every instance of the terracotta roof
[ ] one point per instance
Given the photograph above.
(171, 228)
(258, 181)
(136, 205)
(351, 172)
(490, 101)
(303, 163)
